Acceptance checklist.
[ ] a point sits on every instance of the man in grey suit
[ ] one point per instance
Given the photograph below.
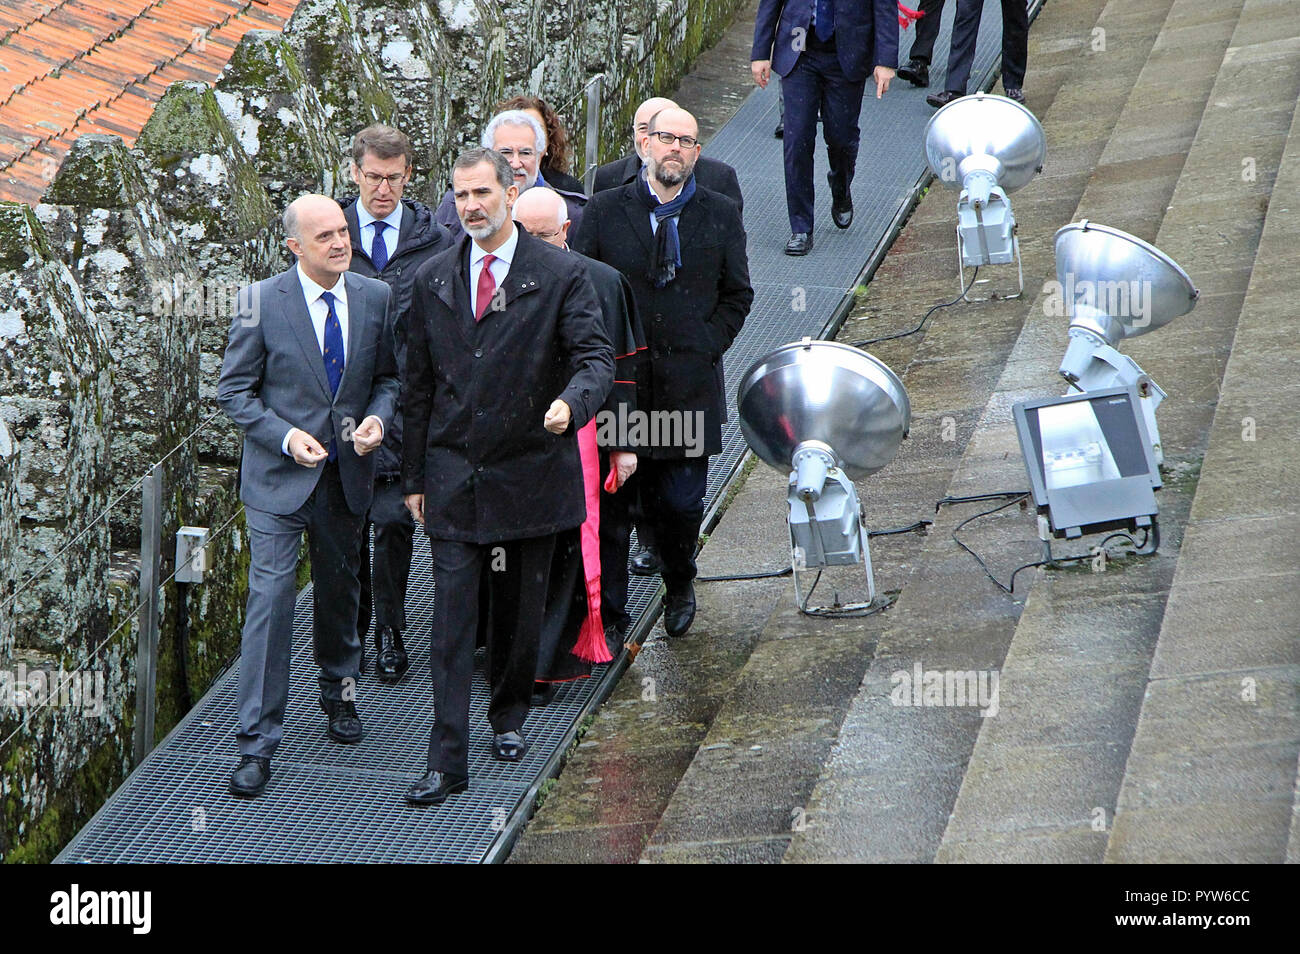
(311, 379)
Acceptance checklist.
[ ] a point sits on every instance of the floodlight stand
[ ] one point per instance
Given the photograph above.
(961, 274)
(1104, 367)
(825, 523)
(1150, 546)
(986, 228)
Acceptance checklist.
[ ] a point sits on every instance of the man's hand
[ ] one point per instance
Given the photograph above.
(762, 70)
(623, 465)
(883, 75)
(368, 436)
(557, 417)
(415, 504)
(305, 449)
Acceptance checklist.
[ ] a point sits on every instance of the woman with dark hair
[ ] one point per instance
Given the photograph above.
(555, 164)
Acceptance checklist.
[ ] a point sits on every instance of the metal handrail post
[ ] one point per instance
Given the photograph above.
(146, 667)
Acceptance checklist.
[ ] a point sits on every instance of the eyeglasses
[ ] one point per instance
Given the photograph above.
(374, 179)
(667, 138)
(545, 235)
(523, 154)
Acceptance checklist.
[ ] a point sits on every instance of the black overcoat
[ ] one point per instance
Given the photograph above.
(476, 394)
(690, 322)
(419, 240)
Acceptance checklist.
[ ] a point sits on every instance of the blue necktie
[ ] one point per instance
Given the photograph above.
(825, 19)
(379, 248)
(333, 354)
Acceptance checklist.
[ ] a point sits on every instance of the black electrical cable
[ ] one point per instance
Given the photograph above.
(904, 334)
(1052, 562)
(920, 526)
(773, 574)
(976, 498)
(978, 559)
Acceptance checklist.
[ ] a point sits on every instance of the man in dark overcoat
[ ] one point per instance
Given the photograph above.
(391, 237)
(682, 248)
(506, 359)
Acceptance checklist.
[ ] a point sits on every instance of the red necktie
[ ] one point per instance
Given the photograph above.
(487, 286)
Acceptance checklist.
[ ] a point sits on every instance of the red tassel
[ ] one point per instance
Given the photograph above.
(906, 16)
(591, 637)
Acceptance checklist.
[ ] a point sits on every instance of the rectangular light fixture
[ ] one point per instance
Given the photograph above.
(1090, 461)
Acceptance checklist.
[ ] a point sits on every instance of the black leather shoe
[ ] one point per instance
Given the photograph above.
(250, 776)
(345, 724)
(392, 661)
(779, 131)
(841, 204)
(434, 787)
(615, 639)
(647, 562)
(679, 611)
(543, 694)
(943, 99)
(800, 244)
(509, 747)
(1016, 93)
(916, 72)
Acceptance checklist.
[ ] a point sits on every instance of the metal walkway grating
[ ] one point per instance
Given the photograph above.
(332, 803)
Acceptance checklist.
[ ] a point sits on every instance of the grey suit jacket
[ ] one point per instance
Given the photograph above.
(273, 379)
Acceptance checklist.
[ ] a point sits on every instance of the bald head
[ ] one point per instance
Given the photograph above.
(317, 234)
(641, 121)
(543, 213)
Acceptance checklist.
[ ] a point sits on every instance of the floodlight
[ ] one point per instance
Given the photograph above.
(988, 146)
(828, 413)
(1116, 286)
(1090, 463)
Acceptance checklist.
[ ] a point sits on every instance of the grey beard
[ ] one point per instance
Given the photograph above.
(481, 232)
(667, 178)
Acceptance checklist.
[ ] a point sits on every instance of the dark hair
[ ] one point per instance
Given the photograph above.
(558, 151)
(473, 157)
(383, 142)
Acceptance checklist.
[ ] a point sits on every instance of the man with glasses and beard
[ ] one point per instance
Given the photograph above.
(682, 249)
(507, 359)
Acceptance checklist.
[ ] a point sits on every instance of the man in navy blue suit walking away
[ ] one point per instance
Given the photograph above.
(823, 51)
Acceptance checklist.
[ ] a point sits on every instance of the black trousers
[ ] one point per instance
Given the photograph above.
(927, 30)
(517, 574)
(672, 495)
(817, 87)
(384, 590)
(1015, 43)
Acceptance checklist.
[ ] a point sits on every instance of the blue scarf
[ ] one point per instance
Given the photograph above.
(668, 248)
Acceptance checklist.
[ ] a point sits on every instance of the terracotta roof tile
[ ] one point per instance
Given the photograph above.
(72, 67)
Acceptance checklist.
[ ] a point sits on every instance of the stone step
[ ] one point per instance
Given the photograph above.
(888, 789)
(1044, 776)
(1211, 775)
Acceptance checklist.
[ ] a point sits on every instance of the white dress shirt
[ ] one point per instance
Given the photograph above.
(319, 313)
(500, 266)
(366, 223)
